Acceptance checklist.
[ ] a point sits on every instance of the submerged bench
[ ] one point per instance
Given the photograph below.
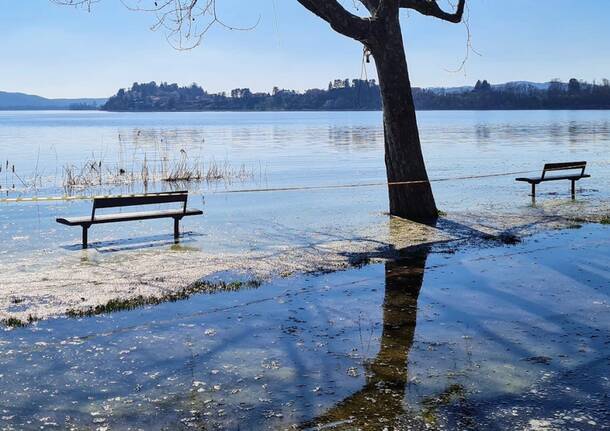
(134, 200)
(555, 167)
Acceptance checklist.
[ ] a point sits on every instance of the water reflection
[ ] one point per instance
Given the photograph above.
(281, 354)
(382, 397)
(482, 133)
(356, 138)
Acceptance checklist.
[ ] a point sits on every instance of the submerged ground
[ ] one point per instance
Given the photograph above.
(308, 308)
(472, 158)
(494, 337)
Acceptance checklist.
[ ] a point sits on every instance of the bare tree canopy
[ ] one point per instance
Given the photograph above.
(409, 189)
(187, 21)
(363, 29)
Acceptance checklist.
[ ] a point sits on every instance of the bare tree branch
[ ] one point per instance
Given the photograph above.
(340, 20)
(370, 5)
(431, 8)
(469, 47)
(388, 8)
(76, 3)
(185, 21)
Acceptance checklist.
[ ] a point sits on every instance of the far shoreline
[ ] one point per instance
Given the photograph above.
(305, 110)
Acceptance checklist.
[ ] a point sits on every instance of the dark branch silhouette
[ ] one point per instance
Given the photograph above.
(431, 8)
(339, 18)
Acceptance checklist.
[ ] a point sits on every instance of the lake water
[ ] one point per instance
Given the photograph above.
(448, 337)
(510, 338)
(280, 149)
(290, 148)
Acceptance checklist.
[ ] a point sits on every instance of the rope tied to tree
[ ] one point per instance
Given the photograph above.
(281, 189)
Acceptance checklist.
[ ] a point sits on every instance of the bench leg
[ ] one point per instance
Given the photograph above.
(176, 229)
(573, 189)
(533, 191)
(85, 243)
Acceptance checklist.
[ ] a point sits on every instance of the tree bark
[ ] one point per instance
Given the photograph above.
(403, 154)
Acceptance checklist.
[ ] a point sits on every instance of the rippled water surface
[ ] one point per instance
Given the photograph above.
(279, 150)
(512, 337)
(295, 148)
(485, 337)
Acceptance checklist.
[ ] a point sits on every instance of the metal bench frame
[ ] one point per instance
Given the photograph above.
(554, 167)
(133, 200)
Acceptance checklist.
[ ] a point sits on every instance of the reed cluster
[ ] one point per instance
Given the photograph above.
(11, 180)
(142, 157)
(95, 172)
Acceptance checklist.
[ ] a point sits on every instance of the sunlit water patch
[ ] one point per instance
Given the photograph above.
(270, 150)
(511, 337)
(295, 230)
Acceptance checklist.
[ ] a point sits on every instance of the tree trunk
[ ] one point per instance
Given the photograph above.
(403, 155)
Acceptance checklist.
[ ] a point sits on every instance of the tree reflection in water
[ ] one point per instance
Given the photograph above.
(380, 403)
(386, 375)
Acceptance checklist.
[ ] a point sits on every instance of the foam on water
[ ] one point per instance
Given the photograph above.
(276, 232)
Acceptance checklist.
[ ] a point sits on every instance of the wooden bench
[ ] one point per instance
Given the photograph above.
(134, 200)
(554, 167)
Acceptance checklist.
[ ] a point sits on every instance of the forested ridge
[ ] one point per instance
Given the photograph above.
(363, 95)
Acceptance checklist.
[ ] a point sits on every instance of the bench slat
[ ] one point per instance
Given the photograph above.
(134, 200)
(554, 167)
(132, 216)
(137, 200)
(564, 166)
(553, 178)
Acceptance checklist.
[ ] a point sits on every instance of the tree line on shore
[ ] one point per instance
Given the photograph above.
(363, 95)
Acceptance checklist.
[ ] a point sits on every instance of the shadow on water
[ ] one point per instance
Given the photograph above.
(476, 339)
(140, 243)
(387, 379)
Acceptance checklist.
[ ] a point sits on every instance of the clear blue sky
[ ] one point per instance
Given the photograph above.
(60, 51)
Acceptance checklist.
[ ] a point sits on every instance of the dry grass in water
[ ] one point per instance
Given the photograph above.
(96, 173)
(11, 180)
(152, 157)
(196, 171)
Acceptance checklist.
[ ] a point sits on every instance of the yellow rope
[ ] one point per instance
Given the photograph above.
(275, 189)
(384, 183)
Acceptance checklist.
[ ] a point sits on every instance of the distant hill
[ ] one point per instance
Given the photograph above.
(523, 86)
(22, 101)
(339, 95)
(361, 95)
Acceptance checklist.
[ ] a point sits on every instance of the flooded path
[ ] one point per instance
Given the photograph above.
(264, 235)
(479, 337)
